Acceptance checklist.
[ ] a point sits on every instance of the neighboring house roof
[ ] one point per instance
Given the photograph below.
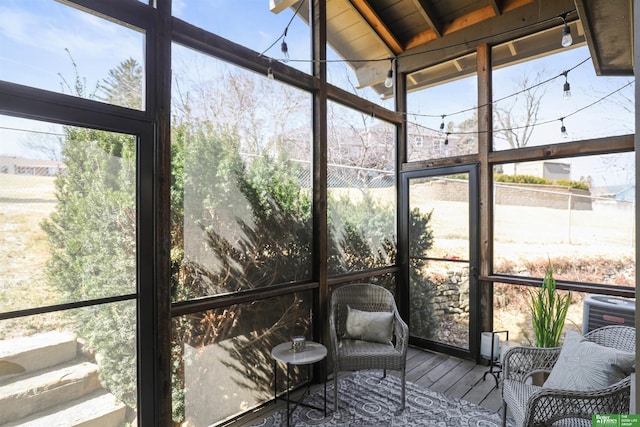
(621, 192)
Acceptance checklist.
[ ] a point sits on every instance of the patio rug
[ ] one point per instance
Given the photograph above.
(368, 400)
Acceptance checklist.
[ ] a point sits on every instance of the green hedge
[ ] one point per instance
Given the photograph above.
(530, 179)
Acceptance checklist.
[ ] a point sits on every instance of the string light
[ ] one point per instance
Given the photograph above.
(270, 71)
(285, 52)
(532, 125)
(388, 82)
(563, 129)
(567, 40)
(567, 87)
(284, 48)
(465, 43)
(495, 101)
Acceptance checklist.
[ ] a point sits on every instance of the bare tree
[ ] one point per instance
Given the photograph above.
(467, 128)
(617, 169)
(49, 145)
(258, 110)
(618, 103)
(515, 118)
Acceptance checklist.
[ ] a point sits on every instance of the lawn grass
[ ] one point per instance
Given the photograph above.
(25, 201)
(524, 236)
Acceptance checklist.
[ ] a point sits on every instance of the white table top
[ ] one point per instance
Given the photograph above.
(313, 352)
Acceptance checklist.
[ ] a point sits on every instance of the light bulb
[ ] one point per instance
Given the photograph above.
(285, 51)
(388, 82)
(270, 73)
(567, 90)
(567, 40)
(442, 124)
(563, 132)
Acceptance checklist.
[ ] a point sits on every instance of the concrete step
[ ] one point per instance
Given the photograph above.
(36, 391)
(98, 409)
(35, 352)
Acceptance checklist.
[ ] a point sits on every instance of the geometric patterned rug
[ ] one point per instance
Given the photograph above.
(367, 399)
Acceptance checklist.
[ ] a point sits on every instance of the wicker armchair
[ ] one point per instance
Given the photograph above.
(532, 405)
(354, 355)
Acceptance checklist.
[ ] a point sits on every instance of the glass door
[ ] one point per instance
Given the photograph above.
(441, 240)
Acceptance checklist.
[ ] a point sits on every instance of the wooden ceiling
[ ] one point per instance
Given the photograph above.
(434, 41)
(609, 32)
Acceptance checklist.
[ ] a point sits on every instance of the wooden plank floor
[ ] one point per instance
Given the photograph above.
(449, 375)
(454, 377)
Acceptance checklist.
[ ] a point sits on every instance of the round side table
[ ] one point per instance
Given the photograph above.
(313, 352)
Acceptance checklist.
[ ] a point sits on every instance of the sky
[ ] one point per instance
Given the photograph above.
(37, 49)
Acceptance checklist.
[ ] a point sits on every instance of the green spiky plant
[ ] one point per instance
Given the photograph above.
(548, 311)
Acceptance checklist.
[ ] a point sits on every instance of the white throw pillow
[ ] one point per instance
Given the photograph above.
(584, 365)
(375, 326)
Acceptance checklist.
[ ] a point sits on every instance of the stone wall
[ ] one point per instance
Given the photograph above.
(548, 196)
(448, 306)
(451, 297)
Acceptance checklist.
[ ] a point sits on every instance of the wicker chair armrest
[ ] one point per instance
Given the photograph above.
(547, 406)
(401, 332)
(333, 334)
(520, 363)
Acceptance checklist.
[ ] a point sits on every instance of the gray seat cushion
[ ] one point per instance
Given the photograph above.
(357, 354)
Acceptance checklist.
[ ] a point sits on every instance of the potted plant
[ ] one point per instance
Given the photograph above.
(548, 311)
(548, 314)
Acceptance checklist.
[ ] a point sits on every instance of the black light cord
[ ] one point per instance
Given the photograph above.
(503, 98)
(284, 33)
(546, 122)
(562, 16)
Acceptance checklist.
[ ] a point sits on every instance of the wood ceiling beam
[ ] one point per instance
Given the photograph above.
(374, 21)
(467, 20)
(430, 16)
(608, 28)
(509, 5)
(421, 38)
(495, 4)
(457, 24)
(525, 20)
